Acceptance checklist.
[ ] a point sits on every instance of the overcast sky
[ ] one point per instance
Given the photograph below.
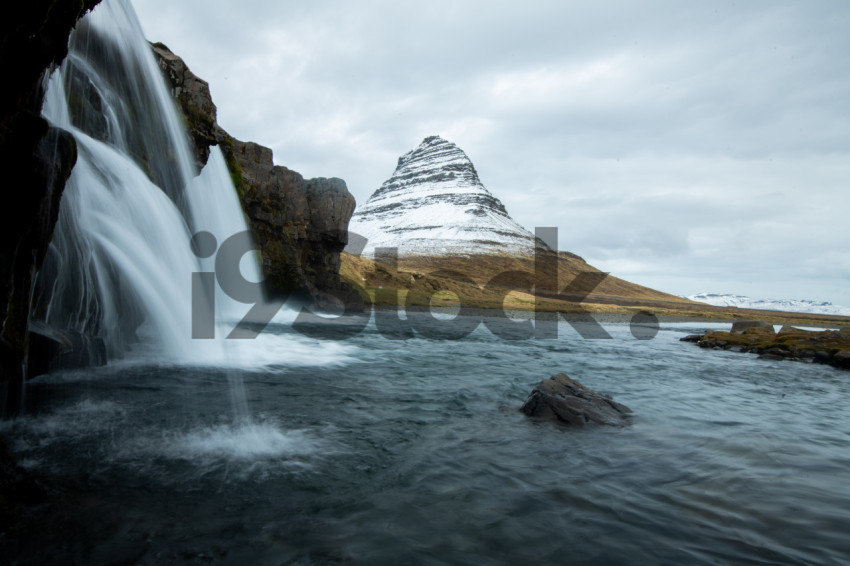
(686, 146)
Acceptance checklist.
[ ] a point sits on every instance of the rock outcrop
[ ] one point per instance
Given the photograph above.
(831, 347)
(300, 225)
(740, 326)
(33, 38)
(192, 95)
(567, 401)
(434, 204)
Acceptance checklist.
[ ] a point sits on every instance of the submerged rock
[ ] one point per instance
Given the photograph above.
(841, 360)
(565, 400)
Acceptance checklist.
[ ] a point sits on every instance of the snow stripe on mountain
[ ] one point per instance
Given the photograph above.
(435, 204)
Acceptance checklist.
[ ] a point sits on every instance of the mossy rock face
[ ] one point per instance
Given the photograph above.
(193, 98)
(300, 226)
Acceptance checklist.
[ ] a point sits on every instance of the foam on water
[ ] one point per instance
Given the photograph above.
(241, 442)
(268, 351)
(83, 417)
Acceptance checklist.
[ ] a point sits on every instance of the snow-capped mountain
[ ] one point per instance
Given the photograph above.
(787, 305)
(434, 204)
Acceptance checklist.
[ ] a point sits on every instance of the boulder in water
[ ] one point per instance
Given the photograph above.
(567, 401)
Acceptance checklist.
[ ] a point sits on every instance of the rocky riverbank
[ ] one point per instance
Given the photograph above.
(830, 347)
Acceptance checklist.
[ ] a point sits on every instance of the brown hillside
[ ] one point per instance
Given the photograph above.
(424, 281)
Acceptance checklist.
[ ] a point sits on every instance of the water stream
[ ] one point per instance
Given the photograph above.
(376, 451)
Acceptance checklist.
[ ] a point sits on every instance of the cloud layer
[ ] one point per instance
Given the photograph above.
(686, 147)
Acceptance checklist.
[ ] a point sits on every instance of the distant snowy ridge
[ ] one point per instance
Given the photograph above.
(435, 204)
(787, 305)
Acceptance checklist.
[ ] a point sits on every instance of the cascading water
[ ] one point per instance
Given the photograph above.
(121, 270)
(120, 263)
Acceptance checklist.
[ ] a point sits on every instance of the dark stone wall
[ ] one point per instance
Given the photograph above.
(36, 161)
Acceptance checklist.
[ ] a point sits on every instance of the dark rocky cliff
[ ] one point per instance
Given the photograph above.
(36, 160)
(300, 225)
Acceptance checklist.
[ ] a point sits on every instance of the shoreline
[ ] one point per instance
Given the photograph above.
(777, 318)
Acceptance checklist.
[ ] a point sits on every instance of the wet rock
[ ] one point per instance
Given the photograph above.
(26, 229)
(51, 348)
(742, 325)
(567, 401)
(777, 351)
(691, 338)
(193, 98)
(841, 360)
(821, 357)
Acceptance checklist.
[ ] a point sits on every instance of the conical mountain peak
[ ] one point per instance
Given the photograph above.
(435, 204)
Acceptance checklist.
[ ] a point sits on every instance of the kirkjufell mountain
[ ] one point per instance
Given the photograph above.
(434, 204)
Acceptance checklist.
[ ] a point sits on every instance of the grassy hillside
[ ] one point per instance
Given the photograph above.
(444, 281)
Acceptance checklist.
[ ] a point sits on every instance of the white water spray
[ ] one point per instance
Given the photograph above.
(120, 263)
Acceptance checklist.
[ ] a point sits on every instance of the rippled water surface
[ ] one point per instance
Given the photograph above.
(377, 451)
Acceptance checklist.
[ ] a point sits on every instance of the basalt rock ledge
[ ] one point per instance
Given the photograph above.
(300, 225)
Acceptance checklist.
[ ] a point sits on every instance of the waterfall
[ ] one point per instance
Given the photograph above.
(119, 269)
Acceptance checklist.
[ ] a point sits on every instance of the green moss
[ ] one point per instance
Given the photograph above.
(826, 340)
(233, 167)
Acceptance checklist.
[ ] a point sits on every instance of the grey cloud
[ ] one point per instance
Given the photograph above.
(683, 129)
